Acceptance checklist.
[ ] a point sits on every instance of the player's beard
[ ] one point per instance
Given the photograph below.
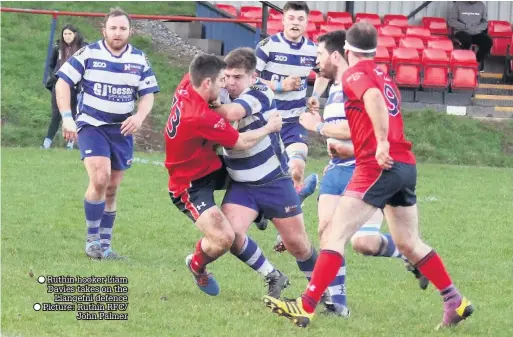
(329, 71)
(116, 45)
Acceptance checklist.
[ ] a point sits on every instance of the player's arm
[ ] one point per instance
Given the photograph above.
(320, 85)
(250, 138)
(378, 113)
(232, 112)
(216, 129)
(69, 75)
(313, 122)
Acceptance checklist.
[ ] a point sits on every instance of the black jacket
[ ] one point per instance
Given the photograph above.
(53, 65)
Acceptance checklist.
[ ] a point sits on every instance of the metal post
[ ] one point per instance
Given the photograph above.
(50, 47)
(350, 7)
(265, 16)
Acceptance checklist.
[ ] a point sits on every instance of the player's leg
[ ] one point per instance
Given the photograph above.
(197, 202)
(295, 139)
(240, 209)
(109, 214)
(402, 218)
(369, 241)
(121, 160)
(353, 210)
(331, 188)
(279, 201)
(95, 152)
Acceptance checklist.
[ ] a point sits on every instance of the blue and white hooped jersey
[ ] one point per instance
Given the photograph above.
(334, 112)
(267, 159)
(110, 85)
(277, 59)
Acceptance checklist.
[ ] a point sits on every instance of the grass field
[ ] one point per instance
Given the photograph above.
(465, 213)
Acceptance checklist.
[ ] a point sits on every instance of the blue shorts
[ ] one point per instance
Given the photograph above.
(293, 133)
(335, 179)
(276, 199)
(106, 141)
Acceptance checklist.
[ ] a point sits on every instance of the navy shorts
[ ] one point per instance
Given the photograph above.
(106, 141)
(200, 195)
(276, 199)
(335, 179)
(293, 133)
(377, 187)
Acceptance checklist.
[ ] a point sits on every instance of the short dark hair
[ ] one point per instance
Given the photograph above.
(333, 41)
(364, 36)
(296, 6)
(114, 12)
(205, 66)
(241, 58)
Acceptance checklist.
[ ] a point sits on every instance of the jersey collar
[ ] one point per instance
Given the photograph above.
(118, 57)
(293, 45)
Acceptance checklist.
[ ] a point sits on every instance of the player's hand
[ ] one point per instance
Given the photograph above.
(274, 123)
(313, 104)
(69, 129)
(310, 120)
(291, 83)
(131, 125)
(383, 155)
(215, 104)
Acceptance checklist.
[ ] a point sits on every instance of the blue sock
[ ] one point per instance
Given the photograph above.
(106, 226)
(93, 214)
(308, 265)
(337, 288)
(388, 248)
(252, 255)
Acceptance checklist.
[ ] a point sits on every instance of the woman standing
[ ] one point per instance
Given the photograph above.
(69, 43)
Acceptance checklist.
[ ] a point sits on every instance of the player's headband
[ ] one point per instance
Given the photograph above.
(348, 46)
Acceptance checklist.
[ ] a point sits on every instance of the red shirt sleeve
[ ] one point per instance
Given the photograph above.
(215, 128)
(355, 83)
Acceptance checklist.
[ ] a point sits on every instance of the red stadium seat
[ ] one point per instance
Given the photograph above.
(396, 20)
(500, 32)
(373, 19)
(275, 15)
(444, 44)
(406, 67)
(251, 12)
(316, 17)
(437, 26)
(228, 8)
(395, 32)
(340, 17)
(382, 59)
(331, 27)
(274, 27)
(435, 66)
(423, 33)
(311, 30)
(464, 69)
(388, 42)
(412, 42)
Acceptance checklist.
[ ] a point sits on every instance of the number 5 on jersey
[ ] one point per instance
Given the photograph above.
(174, 119)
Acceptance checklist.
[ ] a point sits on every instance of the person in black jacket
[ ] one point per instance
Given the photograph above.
(70, 42)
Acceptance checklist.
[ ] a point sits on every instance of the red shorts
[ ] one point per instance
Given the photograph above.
(377, 187)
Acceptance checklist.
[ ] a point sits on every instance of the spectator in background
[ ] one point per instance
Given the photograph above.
(70, 42)
(469, 19)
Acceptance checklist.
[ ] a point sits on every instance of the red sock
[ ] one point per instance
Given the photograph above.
(432, 267)
(326, 268)
(200, 259)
